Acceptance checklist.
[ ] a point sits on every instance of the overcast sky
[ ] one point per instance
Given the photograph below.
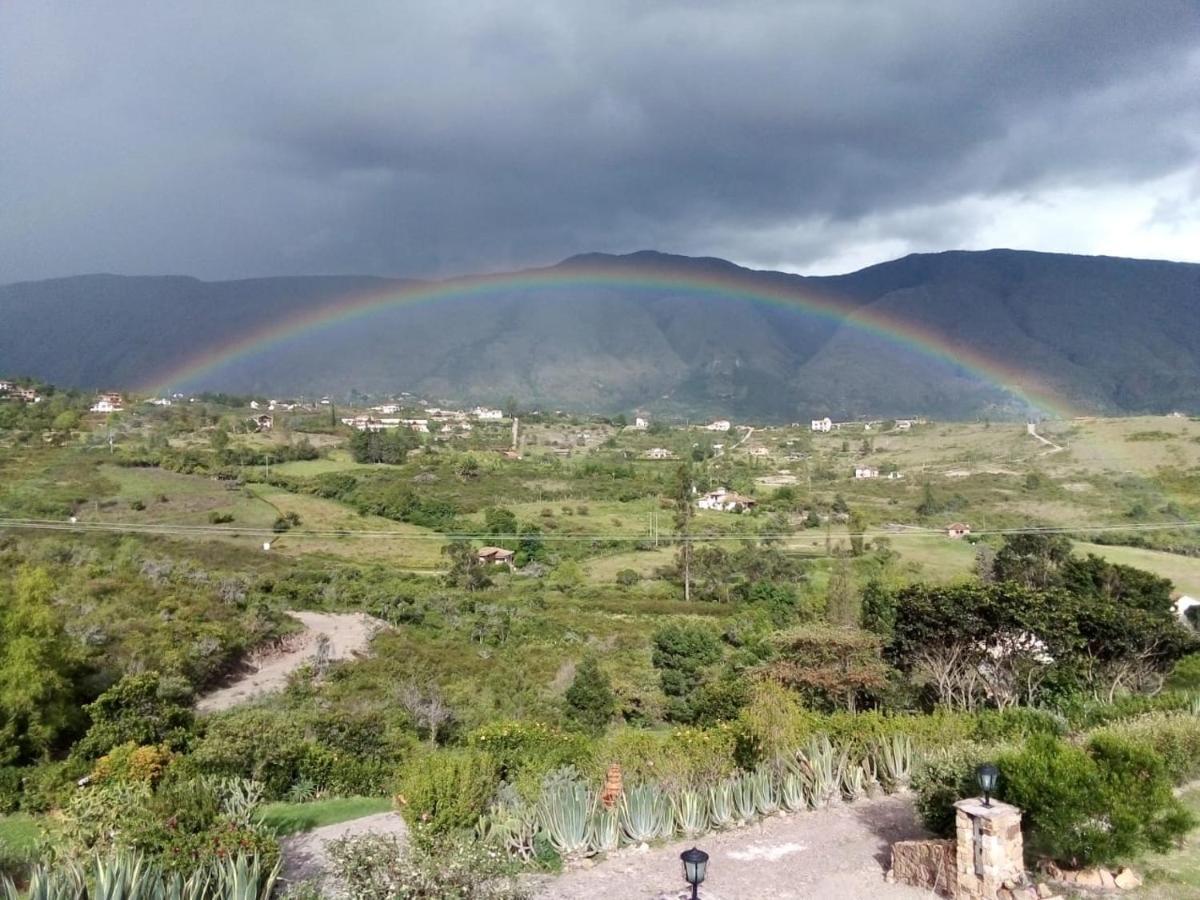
(230, 139)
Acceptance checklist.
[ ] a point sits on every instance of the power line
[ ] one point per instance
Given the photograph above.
(232, 531)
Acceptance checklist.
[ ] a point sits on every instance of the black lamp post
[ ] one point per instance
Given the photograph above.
(986, 776)
(695, 865)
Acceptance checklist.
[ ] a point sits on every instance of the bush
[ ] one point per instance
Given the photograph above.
(1174, 736)
(628, 578)
(448, 869)
(448, 790)
(10, 789)
(944, 777)
(131, 763)
(1095, 805)
(1185, 676)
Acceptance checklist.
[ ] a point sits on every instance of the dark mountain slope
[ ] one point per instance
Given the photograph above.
(1104, 334)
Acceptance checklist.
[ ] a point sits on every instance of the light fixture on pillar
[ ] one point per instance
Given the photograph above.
(986, 775)
(695, 866)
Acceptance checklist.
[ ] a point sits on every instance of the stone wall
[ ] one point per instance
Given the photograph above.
(990, 851)
(925, 864)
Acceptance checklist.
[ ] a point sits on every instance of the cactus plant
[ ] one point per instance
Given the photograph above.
(691, 812)
(510, 823)
(645, 813)
(720, 804)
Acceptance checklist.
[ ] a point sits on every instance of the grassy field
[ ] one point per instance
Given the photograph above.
(290, 818)
(19, 836)
(1183, 570)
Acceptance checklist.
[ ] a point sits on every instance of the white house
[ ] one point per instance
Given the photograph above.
(263, 422)
(254, 404)
(719, 425)
(160, 401)
(894, 476)
(904, 424)
(484, 412)
(725, 500)
(759, 452)
(640, 423)
(866, 472)
(958, 530)
(5, 387)
(107, 403)
(825, 424)
(659, 453)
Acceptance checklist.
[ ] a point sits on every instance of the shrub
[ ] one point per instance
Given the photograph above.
(142, 709)
(446, 791)
(944, 777)
(1185, 675)
(1093, 805)
(448, 869)
(10, 789)
(131, 763)
(628, 577)
(1174, 736)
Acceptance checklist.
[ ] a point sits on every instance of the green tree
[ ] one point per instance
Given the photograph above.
(590, 700)
(857, 528)
(841, 598)
(1033, 559)
(831, 667)
(683, 655)
(36, 694)
(465, 571)
(878, 609)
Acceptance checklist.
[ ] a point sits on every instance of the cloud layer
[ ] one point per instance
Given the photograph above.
(235, 139)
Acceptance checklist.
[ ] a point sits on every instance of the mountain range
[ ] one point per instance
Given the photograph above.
(961, 332)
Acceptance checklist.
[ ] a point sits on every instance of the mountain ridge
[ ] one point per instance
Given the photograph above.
(1103, 333)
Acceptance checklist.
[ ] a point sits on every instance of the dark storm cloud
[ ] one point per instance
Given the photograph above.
(254, 138)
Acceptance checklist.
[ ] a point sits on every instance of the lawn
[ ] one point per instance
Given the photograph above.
(1183, 570)
(1174, 875)
(19, 836)
(289, 818)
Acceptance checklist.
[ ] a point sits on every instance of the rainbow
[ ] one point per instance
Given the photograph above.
(664, 276)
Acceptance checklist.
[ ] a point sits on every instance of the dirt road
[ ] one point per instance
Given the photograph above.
(834, 854)
(349, 634)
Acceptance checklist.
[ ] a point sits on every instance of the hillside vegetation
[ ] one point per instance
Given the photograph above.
(1103, 334)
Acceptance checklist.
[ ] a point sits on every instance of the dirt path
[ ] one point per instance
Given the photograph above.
(1032, 429)
(348, 633)
(834, 854)
(305, 855)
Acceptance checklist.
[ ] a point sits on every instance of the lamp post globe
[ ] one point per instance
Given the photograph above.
(695, 868)
(987, 775)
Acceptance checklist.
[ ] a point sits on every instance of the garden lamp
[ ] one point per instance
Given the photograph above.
(695, 864)
(987, 775)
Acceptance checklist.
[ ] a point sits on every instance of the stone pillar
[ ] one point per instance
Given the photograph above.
(989, 852)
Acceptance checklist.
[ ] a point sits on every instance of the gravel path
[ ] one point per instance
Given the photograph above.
(348, 633)
(835, 854)
(304, 855)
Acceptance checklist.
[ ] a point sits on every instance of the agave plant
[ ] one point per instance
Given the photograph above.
(691, 812)
(720, 804)
(766, 791)
(854, 782)
(821, 767)
(895, 755)
(563, 812)
(791, 792)
(604, 830)
(510, 823)
(645, 813)
(744, 805)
